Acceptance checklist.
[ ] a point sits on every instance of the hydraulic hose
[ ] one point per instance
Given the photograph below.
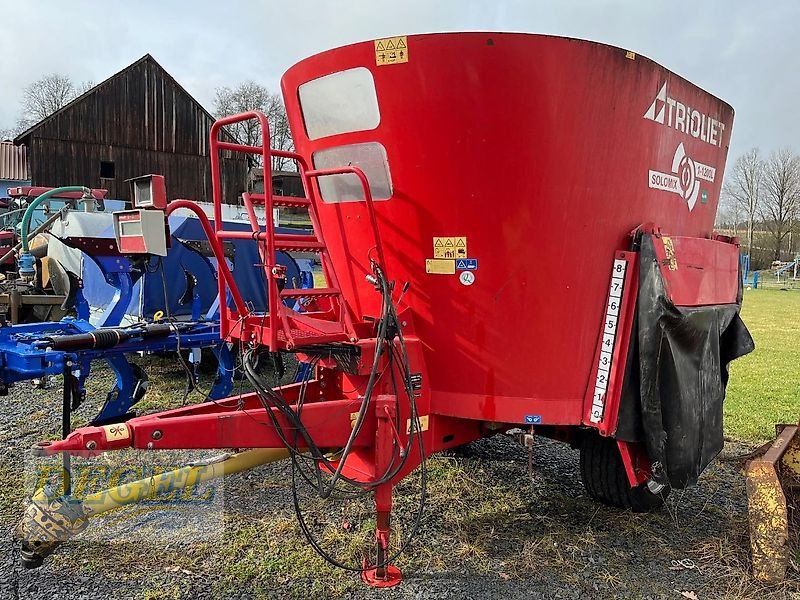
(26, 260)
(102, 338)
(26, 218)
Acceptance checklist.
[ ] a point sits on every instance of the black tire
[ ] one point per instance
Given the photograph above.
(605, 480)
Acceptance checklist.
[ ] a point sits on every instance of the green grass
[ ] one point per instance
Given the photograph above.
(482, 517)
(764, 387)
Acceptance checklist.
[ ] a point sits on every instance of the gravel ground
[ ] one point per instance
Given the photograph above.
(525, 537)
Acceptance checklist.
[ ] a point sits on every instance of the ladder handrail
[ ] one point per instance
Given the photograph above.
(269, 253)
(216, 248)
(216, 179)
(373, 219)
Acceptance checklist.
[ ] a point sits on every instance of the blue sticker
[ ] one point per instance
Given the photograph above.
(467, 264)
(533, 419)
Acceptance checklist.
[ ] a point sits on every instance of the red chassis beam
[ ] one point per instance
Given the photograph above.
(236, 422)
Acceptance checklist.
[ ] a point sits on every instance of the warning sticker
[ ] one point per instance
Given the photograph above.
(669, 250)
(423, 424)
(467, 264)
(440, 266)
(118, 431)
(450, 247)
(391, 51)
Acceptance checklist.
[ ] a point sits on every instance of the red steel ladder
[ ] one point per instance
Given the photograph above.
(281, 327)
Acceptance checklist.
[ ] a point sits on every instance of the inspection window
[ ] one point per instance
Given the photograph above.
(370, 157)
(341, 102)
(107, 170)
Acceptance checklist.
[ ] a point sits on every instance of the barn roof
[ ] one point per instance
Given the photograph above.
(22, 138)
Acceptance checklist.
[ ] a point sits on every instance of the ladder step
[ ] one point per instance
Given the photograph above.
(298, 243)
(307, 293)
(287, 201)
(290, 202)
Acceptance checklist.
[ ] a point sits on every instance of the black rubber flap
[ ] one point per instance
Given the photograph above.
(683, 371)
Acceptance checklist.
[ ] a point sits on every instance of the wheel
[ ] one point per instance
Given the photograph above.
(605, 479)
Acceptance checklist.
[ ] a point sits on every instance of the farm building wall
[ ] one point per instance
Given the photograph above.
(138, 121)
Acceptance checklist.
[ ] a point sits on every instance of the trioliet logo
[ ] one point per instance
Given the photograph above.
(670, 112)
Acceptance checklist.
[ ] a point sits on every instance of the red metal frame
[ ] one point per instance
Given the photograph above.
(282, 326)
(33, 191)
(636, 462)
(225, 281)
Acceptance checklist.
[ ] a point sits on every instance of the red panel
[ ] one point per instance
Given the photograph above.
(540, 151)
(131, 245)
(524, 411)
(698, 272)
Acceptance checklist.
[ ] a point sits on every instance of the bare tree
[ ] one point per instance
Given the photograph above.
(744, 188)
(249, 96)
(728, 215)
(7, 133)
(42, 98)
(781, 200)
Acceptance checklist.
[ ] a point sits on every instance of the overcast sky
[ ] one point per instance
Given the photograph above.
(747, 53)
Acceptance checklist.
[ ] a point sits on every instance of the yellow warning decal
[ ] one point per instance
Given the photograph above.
(631, 55)
(391, 51)
(440, 266)
(669, 250)
(423, 424)
(118, 431)
(450, 247)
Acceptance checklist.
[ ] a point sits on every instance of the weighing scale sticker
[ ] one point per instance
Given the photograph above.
(613, 306)
(616, 287)
(611, 325)
(602, 381)
(608, 342)
(391, 51)
(439, 266)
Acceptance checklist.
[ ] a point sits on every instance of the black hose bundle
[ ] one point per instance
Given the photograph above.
(312, 463)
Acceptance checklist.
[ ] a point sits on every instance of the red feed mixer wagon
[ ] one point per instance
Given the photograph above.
(516, 231)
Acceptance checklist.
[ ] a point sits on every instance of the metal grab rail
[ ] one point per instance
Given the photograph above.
(373, 219)
(219, 254)
(216, 190)
(274, 309)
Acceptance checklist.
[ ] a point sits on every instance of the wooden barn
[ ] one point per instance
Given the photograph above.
(136, 122)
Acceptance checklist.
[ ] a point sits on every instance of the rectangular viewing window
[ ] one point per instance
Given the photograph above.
(370, 157)
(130, 228)
(339, 103)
